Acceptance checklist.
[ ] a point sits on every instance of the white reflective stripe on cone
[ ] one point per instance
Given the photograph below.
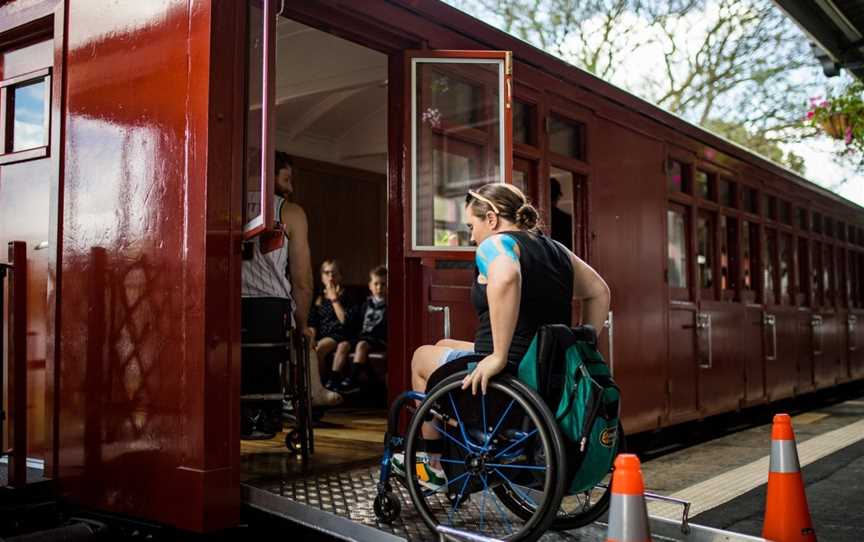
(784, 456)
(628, 519)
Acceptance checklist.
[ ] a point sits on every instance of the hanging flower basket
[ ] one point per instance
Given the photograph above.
(836, 125)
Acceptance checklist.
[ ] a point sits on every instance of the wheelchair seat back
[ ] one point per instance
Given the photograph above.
(564, 366)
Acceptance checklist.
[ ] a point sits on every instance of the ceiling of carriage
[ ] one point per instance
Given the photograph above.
(331, 98)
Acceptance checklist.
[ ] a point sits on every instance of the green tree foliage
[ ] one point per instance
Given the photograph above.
(740, 67)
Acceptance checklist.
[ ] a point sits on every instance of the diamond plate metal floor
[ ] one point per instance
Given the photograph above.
(350, 495)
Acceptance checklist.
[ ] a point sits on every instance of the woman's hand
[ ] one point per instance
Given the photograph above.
(332, 292)
(488, 367)
(309, 332)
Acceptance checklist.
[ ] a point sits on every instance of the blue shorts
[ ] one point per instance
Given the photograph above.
(453, 355)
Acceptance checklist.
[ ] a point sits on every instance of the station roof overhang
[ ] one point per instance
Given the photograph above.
(836, 31)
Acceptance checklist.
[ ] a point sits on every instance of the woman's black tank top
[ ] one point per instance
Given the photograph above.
(547, 293)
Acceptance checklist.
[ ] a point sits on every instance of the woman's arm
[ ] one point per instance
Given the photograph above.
(590, 288)
(504, 294)
(341, 313)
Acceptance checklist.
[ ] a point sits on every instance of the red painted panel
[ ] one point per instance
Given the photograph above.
(145, 365)
(682, 369)
(721, 381)
(752, 358)
(803, 337)
(781, 373)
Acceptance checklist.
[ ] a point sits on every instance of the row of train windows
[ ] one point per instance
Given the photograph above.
(826, 274)
(711, 187)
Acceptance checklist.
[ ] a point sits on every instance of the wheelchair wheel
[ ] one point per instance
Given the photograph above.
(575, 510)
(489, 441)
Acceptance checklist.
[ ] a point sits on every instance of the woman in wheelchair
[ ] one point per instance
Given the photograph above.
(523, 280)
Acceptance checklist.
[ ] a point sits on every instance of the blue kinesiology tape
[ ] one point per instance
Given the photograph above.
(491, 248)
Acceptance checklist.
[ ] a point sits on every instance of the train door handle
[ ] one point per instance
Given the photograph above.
(852, 326)
(816, 323)
(703, 325)
(446, 310)
(770, 321)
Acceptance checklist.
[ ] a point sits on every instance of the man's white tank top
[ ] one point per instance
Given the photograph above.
(266, 275)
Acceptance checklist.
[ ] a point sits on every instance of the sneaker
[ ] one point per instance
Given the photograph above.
(349, 385)
(331, 384)
(430, 477)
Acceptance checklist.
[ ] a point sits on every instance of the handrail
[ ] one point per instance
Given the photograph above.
(17, 363)
(4, 267)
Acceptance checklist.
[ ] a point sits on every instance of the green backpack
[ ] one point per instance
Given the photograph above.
(564, 366)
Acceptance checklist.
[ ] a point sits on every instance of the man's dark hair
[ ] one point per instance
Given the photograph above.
(282, 161)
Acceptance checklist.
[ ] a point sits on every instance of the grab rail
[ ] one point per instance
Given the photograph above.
(17, 363)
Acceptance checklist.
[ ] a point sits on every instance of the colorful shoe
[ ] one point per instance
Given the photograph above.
(430, 477)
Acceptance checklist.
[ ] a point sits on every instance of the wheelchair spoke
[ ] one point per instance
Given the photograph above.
(458, 500)
(464, 447)
(521, 439)
(465, 438)
(497, 505)
(454, 461)
(512, 486)
(513, 466)
(429, 492)
(498, 425)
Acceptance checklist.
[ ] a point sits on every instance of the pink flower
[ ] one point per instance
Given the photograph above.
(848, 137)
(824, 103)
(810, 114)
(815, 99)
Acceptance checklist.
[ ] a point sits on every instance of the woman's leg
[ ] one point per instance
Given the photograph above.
(361, 353)
(341, 356)
(426, 359)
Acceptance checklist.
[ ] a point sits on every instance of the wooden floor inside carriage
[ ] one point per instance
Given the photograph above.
(345, 438)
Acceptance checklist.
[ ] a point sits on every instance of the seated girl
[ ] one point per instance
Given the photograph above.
(328, 322)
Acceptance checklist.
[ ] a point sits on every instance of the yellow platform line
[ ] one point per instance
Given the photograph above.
(725, 487)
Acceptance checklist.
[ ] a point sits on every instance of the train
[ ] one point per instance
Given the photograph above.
(137, 142)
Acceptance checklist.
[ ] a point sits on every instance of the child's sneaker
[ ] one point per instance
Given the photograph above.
(348, 386)
(430, 477)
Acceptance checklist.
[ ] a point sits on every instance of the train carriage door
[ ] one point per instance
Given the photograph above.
(458, 127)
(29, 183)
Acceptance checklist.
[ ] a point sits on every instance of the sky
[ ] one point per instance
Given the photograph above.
(822, 167)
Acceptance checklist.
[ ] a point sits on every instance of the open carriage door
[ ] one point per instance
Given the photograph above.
(458, 127)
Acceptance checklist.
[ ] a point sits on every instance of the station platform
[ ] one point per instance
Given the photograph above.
(723, 477)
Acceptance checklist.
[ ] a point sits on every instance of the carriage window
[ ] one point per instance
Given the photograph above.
(818, 288)
(704, 185)
(769, 206)
(803, 224)
(677, 228)
(524, 115)
(817, 223)
(705, 247)
(678, 177)
(458, 132)
(787, 259)
(803, 283)
(841, 231)
(854, 279)
(842, 279)
(750, 200)
(769, 256)
(828, 274)
(728, 254)
(750, 255)
(829, 226)
(28, 103)
(785, 212)
(727, 193)
(566, 137)
(850, 237)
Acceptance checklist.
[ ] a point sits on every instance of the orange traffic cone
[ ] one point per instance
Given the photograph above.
(628, 516)
(787, 517)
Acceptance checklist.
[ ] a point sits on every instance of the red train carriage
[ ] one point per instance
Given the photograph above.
(132, 161)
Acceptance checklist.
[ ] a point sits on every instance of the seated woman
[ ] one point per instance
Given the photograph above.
(328, 322)
(523, 280)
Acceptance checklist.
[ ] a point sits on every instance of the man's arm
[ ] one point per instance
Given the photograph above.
(297, 228)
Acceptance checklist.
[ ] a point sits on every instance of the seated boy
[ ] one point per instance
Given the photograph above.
(372, 335)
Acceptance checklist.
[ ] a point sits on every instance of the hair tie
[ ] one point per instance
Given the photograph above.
(487, 201)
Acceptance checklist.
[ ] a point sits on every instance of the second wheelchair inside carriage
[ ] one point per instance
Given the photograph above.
(535, 452)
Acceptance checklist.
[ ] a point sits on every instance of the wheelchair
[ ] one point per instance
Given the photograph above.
(506, 462)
